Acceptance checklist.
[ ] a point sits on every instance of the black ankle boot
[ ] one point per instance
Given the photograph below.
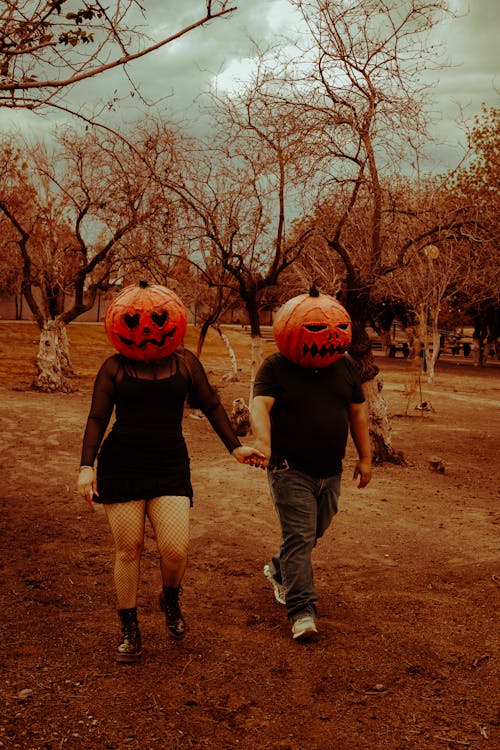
(129, 648)
(169, 603)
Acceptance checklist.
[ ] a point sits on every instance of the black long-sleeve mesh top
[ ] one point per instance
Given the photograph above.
(145, 453)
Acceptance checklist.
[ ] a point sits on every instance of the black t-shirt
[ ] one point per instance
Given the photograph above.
(310, 415)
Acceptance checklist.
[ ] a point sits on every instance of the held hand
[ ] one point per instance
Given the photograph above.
(363, 470)
(86, 484)
(245, 454)
(263, 448)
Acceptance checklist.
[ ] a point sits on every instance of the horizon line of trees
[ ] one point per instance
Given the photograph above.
(89, 210)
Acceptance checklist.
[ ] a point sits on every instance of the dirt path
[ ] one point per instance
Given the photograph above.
(408, 579)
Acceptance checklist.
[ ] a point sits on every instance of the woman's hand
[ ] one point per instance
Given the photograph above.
(245, 454)
(86, 484)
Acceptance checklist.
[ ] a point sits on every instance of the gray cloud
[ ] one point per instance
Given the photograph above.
(469, 47)
(470, 79)
(473, 52)
(184, 70)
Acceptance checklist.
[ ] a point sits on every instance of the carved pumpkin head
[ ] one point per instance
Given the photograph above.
(146, 322)
(313, 330)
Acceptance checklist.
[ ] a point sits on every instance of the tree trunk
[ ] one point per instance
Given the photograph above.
(256, 361)
(361, 351)
(201, 337)
(53, 361)
(232, 356)
(19, 306)
(432, 354)
(379, 427)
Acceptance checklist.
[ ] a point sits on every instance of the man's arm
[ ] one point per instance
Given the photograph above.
(261, 425)
(358, 419)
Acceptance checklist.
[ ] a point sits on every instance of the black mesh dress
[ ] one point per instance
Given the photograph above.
(145, 455)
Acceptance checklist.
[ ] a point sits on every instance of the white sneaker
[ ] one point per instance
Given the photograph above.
(304, 627)
(279, 589)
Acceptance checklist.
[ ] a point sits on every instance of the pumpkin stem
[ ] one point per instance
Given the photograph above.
(143, 284)
(313, 290)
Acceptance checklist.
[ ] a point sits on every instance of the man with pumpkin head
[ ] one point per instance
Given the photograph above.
(143, 464)
(307, 397)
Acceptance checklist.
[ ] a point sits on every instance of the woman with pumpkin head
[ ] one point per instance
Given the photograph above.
(307, 397)
(143, 463)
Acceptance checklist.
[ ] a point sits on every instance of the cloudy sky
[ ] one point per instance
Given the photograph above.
(183, 70)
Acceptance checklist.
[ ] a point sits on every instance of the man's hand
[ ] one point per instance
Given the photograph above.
(363, 470)
(264, 449)
(245, 454)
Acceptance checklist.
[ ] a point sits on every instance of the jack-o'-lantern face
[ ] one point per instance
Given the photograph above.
(313, 330)
(146, 322)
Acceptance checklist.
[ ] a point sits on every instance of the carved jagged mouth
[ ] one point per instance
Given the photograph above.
(145, 342)
(322, 351)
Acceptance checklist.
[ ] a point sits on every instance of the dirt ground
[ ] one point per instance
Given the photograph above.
(408, 579)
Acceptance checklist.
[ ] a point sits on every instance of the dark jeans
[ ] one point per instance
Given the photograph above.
(306, 506)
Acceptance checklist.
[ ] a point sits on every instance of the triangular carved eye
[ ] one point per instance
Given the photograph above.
(343, 326)
(131, 321)
(159, 318)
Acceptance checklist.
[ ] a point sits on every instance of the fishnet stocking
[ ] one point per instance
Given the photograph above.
(126, 521)
(169, 517)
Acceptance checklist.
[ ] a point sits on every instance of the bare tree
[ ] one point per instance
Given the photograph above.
(11, 267)
(446, 254)
(476, 187)
(85, 202)
(240, 194)
(48, 46)
(358, 78)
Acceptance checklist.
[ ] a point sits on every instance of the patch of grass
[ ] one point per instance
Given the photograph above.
(89, 347)
(18, 351)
